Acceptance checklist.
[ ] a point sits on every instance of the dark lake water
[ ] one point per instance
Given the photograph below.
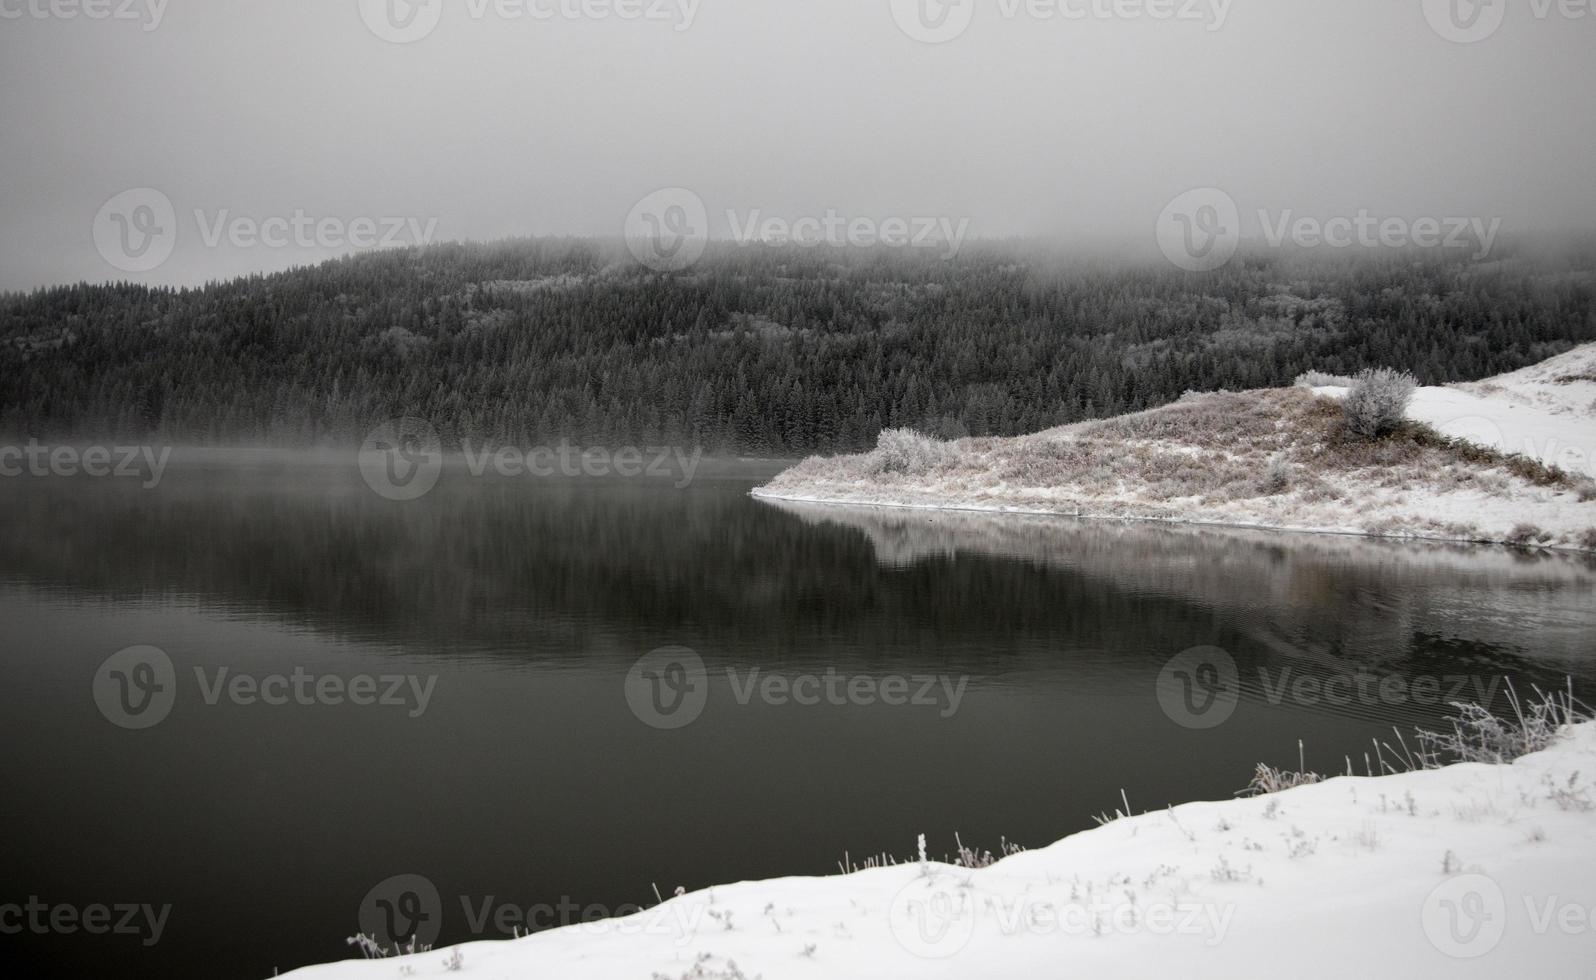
(1043, 663)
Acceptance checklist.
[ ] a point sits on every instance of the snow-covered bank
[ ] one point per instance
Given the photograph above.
(1476, 470)
(1469, 870)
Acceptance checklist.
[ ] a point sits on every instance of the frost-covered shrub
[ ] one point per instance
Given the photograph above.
(1277, 477)
(907, 451)
(1377, 403)
(1587, 539)
(1318, 379)
(1478, 735)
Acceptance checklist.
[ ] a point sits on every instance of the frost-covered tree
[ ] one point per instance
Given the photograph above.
(1377, 402)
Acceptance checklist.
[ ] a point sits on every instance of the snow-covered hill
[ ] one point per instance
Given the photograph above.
(1478, 470)
(1546, 412)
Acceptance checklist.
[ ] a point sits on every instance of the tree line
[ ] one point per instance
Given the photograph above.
(770, 350)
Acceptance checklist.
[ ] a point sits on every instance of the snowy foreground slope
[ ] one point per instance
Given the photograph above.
(1465, 871)
(1509, 459)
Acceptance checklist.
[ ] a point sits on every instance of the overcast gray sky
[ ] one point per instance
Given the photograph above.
(1073, 118)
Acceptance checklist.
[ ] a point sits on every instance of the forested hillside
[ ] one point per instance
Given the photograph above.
(769, 350)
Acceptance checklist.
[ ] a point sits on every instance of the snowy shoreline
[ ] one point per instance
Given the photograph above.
(1509, 460)
(762, 493)
(1467, 870)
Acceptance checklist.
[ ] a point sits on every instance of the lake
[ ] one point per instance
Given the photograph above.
(448, 715)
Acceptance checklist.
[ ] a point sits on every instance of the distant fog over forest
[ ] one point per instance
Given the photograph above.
(470, 120)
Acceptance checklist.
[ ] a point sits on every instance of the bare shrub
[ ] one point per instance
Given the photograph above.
(1587, 539)
(1525, 535)
(907, 451)
(1267, 779)
(1377, 403)
(978, 858)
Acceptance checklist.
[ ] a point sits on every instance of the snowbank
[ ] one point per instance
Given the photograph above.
(1465, 871)
(1277, 459)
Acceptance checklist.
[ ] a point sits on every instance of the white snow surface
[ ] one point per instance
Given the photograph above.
(1465, 871)
(1546, 411)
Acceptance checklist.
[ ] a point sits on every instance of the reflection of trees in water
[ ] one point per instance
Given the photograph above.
(548, 570)
(1332, 601)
